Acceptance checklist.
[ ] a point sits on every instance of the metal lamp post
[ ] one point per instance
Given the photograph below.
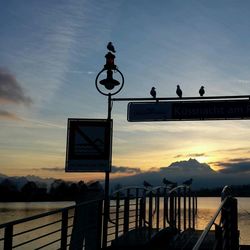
(112, 87)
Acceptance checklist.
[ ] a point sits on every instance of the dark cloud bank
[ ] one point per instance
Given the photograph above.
(11, 92)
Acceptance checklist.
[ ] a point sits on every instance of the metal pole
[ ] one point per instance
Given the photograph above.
(64, 230)
(106, 197)
(247, 97)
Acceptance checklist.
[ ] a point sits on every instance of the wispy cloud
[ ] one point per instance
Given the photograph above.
(190, 155)
(10, 90)
(5, 115)
(52, 169)
(127, 170)
(115, 169)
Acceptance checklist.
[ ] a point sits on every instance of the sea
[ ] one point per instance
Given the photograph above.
(207, 206)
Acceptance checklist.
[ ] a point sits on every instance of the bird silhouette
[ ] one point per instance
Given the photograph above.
(179, 91)
(111, 47)
(188, 182)
(202, 91)
(147, 184)
(153, 92)
(168, 183)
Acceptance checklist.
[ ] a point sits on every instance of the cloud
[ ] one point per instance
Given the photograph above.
(235, 167)
(54, 169)
(127, 170)
(5, 115)
(196, 155)
(178, 156)
(240, 160)
(190, 155)
(233, 149)
(10, 90)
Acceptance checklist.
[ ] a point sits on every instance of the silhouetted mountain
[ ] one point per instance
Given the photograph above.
(192, 165)
(202, 174)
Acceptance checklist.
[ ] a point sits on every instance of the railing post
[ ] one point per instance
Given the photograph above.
(142, 212)
(136, 208)
(184, 208)
(193, 210)
(8, 240)
(99, 225)
(150, 210)
(172, 211)
(126, 214)
(218, 237)
(165, 208)
(234, 224)
(179, 209)
(64, 229)
(157, 210)
(189, 208)
(117, 215)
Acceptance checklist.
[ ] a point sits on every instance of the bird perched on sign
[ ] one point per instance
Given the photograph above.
(202, 91)
(111, 47)
(169, 183)
(188, 182)
(179, 91)
(153, 92)
(147, 184)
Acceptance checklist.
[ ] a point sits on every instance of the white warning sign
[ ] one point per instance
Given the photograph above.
(88, 145)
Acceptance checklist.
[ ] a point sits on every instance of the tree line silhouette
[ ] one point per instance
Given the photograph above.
(59, 190)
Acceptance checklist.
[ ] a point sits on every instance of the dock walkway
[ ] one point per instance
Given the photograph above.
(169, 238)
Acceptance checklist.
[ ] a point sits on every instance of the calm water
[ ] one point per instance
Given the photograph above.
(206, 210)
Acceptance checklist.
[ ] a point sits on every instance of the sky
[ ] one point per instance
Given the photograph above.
(51, 52)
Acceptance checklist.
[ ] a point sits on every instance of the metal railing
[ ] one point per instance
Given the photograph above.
(50, 230)
(182, 212)
(152, 208)
(81, 226)
(226, 232)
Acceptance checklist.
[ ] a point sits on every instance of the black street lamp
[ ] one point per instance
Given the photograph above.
(113, 86)
(109, 82)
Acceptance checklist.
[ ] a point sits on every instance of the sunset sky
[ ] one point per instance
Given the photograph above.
(51, 52)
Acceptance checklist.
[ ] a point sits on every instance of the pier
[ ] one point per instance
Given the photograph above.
(139, 218)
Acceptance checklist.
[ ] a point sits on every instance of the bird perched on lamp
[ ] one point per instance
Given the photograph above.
(179, 91)
(111, 47)
(202, 91)
(147, 184)
(153, 92)
(188, 182)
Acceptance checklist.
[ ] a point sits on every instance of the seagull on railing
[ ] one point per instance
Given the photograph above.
(169, 183)
(188, 182)
(147, 184)
(153, 92)
(202, 91)
(111, 47)
(179, 91)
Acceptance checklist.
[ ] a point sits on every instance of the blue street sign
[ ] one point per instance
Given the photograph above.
(189, 110)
